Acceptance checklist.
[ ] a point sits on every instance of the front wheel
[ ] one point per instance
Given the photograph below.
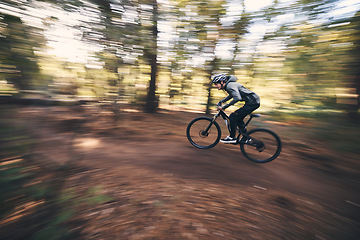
(261, 145)
(203, 132)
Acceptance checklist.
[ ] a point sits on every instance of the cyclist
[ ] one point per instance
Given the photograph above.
(237, 92)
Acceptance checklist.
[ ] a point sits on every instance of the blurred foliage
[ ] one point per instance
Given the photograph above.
(34, 200)
(340, 135)
(23, 192)
(297, 55)
(336, 132)
(18, 61)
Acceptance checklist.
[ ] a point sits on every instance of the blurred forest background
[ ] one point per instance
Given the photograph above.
(129, 58)
(299, 56)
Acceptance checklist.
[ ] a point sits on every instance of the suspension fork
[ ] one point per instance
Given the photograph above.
(205, 132)
(211, 123)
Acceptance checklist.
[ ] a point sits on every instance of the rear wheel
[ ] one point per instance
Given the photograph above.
(261, 145)
(203, 132)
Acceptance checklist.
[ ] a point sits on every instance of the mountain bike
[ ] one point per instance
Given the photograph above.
(259, 145)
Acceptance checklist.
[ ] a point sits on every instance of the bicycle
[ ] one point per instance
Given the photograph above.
(259, 145)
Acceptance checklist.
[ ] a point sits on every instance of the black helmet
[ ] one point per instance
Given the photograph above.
(218, 78)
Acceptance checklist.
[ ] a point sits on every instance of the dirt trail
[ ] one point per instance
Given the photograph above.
(164, 188)
(226, 165)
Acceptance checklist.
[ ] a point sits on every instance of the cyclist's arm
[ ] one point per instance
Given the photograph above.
(227, 98)
(235, 95)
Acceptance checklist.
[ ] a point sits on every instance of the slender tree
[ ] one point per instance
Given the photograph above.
(151, 103)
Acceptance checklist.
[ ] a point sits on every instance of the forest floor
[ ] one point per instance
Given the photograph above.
(161, 187)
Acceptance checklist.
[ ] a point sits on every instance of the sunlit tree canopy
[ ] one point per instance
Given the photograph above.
(164, 52)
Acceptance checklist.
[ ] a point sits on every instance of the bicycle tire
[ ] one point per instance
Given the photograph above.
(258, 153)
(195, 129)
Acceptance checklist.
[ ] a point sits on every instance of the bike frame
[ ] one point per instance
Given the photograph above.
(227, 123)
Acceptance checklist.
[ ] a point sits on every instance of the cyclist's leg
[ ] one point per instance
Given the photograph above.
(237, 117)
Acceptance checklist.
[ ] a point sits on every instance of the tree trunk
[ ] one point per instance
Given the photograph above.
(214, 65)
(151, 103)
(209, 98)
